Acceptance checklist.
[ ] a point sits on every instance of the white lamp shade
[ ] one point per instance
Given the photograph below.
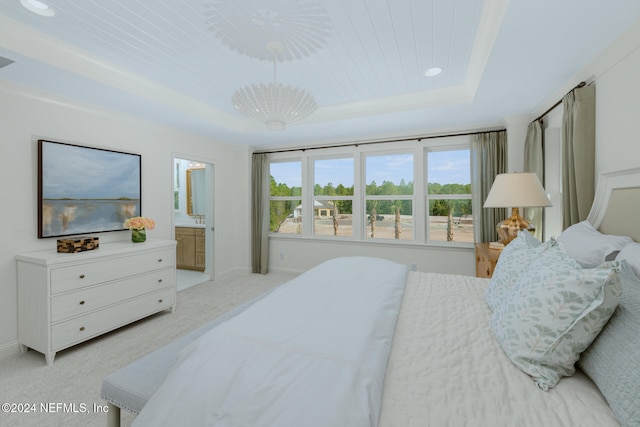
(522, 190)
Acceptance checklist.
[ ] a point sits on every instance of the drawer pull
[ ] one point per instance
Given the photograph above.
(160, 260)
(159, 280)
(81, 328)
(160, 300)
(82, 276)
(82, 302)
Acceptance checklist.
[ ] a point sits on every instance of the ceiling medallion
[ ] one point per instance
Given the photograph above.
(301, 26)
(274, 104)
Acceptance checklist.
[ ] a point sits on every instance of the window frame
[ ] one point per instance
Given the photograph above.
(429, 197)
(287, 198)
(366, 197)
(420, 202)
(322, 197)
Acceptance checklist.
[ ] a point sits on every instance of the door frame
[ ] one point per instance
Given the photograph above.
(211, 247)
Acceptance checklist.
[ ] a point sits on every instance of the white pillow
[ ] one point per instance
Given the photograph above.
(553, 313)
(631, 253)
(515, 257)
(588, 246)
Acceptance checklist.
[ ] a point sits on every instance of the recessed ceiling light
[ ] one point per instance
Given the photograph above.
(37, 7)
(433, 71)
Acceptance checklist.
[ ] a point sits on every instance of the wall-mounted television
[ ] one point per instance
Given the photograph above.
(85, 190)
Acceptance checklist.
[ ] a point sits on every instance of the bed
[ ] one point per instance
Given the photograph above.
(392, 347)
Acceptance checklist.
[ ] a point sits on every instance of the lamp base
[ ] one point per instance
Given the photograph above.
(508, 229)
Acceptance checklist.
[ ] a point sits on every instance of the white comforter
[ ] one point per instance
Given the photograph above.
(446, 368)
(313, 353)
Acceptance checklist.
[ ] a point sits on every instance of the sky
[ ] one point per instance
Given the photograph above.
(86, 173)
(444, 167)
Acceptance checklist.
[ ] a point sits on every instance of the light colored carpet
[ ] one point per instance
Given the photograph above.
(189, 278)
(76, 374)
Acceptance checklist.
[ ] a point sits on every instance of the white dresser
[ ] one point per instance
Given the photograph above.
(64, 299)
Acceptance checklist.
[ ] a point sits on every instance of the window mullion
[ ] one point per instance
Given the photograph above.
(307, 196)
(358, 201)
(419, 206)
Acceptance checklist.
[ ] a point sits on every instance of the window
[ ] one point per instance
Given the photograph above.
(389, 196)
(405, 192)
(286, 197)
(449, 217)
(333, 197)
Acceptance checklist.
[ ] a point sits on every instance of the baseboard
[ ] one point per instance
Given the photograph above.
(285, 270)
(247, 270)
(9, 349)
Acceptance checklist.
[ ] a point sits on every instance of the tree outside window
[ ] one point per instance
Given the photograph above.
(285, 214)
(450, 217)
(389, 196)
(333, 196)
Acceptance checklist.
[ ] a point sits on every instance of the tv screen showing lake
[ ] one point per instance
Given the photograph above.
(79, 216)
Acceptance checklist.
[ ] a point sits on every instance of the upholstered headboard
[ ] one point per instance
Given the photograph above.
(616, 205)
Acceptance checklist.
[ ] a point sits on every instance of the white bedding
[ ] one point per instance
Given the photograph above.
(446, 369)
(327, 368)
(312, 353)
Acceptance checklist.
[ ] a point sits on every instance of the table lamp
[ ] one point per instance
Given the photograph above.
(515, 191)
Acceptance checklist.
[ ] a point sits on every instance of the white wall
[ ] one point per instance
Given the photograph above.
(617, 98)
(28, 116)
(615, 73)
(292, 254)
(553, 172)
(180, 215)
(516, 135)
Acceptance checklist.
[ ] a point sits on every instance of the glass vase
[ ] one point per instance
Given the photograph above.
(138, 236)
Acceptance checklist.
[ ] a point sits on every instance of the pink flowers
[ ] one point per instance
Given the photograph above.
(139, 223)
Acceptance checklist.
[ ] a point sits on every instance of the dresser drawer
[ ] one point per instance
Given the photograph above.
(92, 273)
(82, 328)
(92, 298)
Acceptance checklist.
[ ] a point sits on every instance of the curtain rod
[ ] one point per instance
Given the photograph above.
(578, 86)
(356, 144)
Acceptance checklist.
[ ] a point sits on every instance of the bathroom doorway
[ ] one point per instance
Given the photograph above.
(193, 219)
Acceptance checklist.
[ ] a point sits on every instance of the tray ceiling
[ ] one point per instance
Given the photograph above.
(364, 62)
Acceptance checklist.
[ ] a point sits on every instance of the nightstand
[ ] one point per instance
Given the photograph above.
(486, 259)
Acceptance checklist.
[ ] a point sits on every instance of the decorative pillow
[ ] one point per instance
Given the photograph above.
(631, 254)
(515, 257)
(588, 246)
(553, 312)
(613, 361)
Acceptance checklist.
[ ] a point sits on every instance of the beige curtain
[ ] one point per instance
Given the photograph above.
(534, 162)
(260, 213)
(578, 154)
(488, 159)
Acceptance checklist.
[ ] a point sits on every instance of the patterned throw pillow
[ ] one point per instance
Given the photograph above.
(514, 259)
(553, 312)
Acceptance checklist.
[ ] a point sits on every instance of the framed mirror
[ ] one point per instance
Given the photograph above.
(196, 199)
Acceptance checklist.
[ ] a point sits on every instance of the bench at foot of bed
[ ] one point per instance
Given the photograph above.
(130, 387)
